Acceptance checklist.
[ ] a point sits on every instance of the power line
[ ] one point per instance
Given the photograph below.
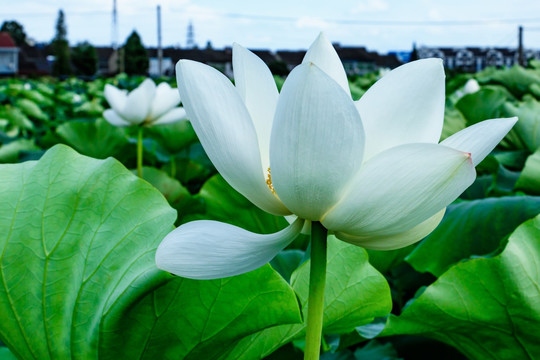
(391, 22)
(367, 22)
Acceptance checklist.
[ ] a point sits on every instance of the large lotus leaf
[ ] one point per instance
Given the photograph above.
(31, 109)
(173, 137)
(529, 179)
(89, 109)
(37, 97)
(287, 261)
(384, 261)
(5, 354)
(514, 160)
(455, 84)
(355, 294)
(97, 139)
(189, 319)
(487, 308)
(16, 118)
(73, 231)
(176, 194)
(372, 350)
(528, 125)
(46, 89)
(191, 167)
(225, 204)
(78, 278)
(516, 79)
(472, 228)
(482, 105)
(498, 180)
(453, 120)
(10, 152)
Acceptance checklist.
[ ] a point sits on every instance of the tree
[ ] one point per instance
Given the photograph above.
(414, 53)
(84, 59)
(135, 56)
(60, 47)
(15, 30)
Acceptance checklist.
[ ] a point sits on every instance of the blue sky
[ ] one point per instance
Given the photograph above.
(287, 24)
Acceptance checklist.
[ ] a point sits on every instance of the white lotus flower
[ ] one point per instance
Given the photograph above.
(371, 171)
(146, 105)
(471, 86)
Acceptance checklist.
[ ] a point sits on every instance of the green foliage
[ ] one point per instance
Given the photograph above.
(529, 179)
(135, 56)
(78, 274)
(16, 31)
(472, 228)
(487, 308)
(84, 59)
(528, 126)
(10, 152)
(484, 104)
(31, 109)
(355, 293)
(178, 318)
(97, 139)
(225, 204)
(176, 194)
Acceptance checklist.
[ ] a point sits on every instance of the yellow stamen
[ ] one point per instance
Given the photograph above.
(269, 182)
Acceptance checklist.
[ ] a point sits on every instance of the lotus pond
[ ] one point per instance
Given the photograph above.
(79, 232)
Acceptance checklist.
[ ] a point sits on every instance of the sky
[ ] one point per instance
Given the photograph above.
(381, 25)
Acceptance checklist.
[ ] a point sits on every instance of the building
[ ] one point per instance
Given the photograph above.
(9, 55)
(473, 59)
(356, 60)
(37, 60)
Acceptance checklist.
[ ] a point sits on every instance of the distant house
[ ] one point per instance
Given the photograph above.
(35, 59)
(9, 55)
(107, 61)
(473, 59)
(220, 59)
(167, 67)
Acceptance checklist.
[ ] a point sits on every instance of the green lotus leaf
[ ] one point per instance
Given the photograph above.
(31, 109)
(225, 204)
(78, 278)
(487, 308)
(472, 228)
(529, 179)
(97, 139)
(355, 294)
(528, 125)
(10, 152)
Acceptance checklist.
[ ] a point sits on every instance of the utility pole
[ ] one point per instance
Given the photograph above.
(520, 46)
(159, 49)
(114, 39)
(190, 41)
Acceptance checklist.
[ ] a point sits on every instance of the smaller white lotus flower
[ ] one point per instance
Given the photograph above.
(147, 105)
(471, 86)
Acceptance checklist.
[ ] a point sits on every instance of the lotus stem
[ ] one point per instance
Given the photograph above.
(139, 151)
(317, 281)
